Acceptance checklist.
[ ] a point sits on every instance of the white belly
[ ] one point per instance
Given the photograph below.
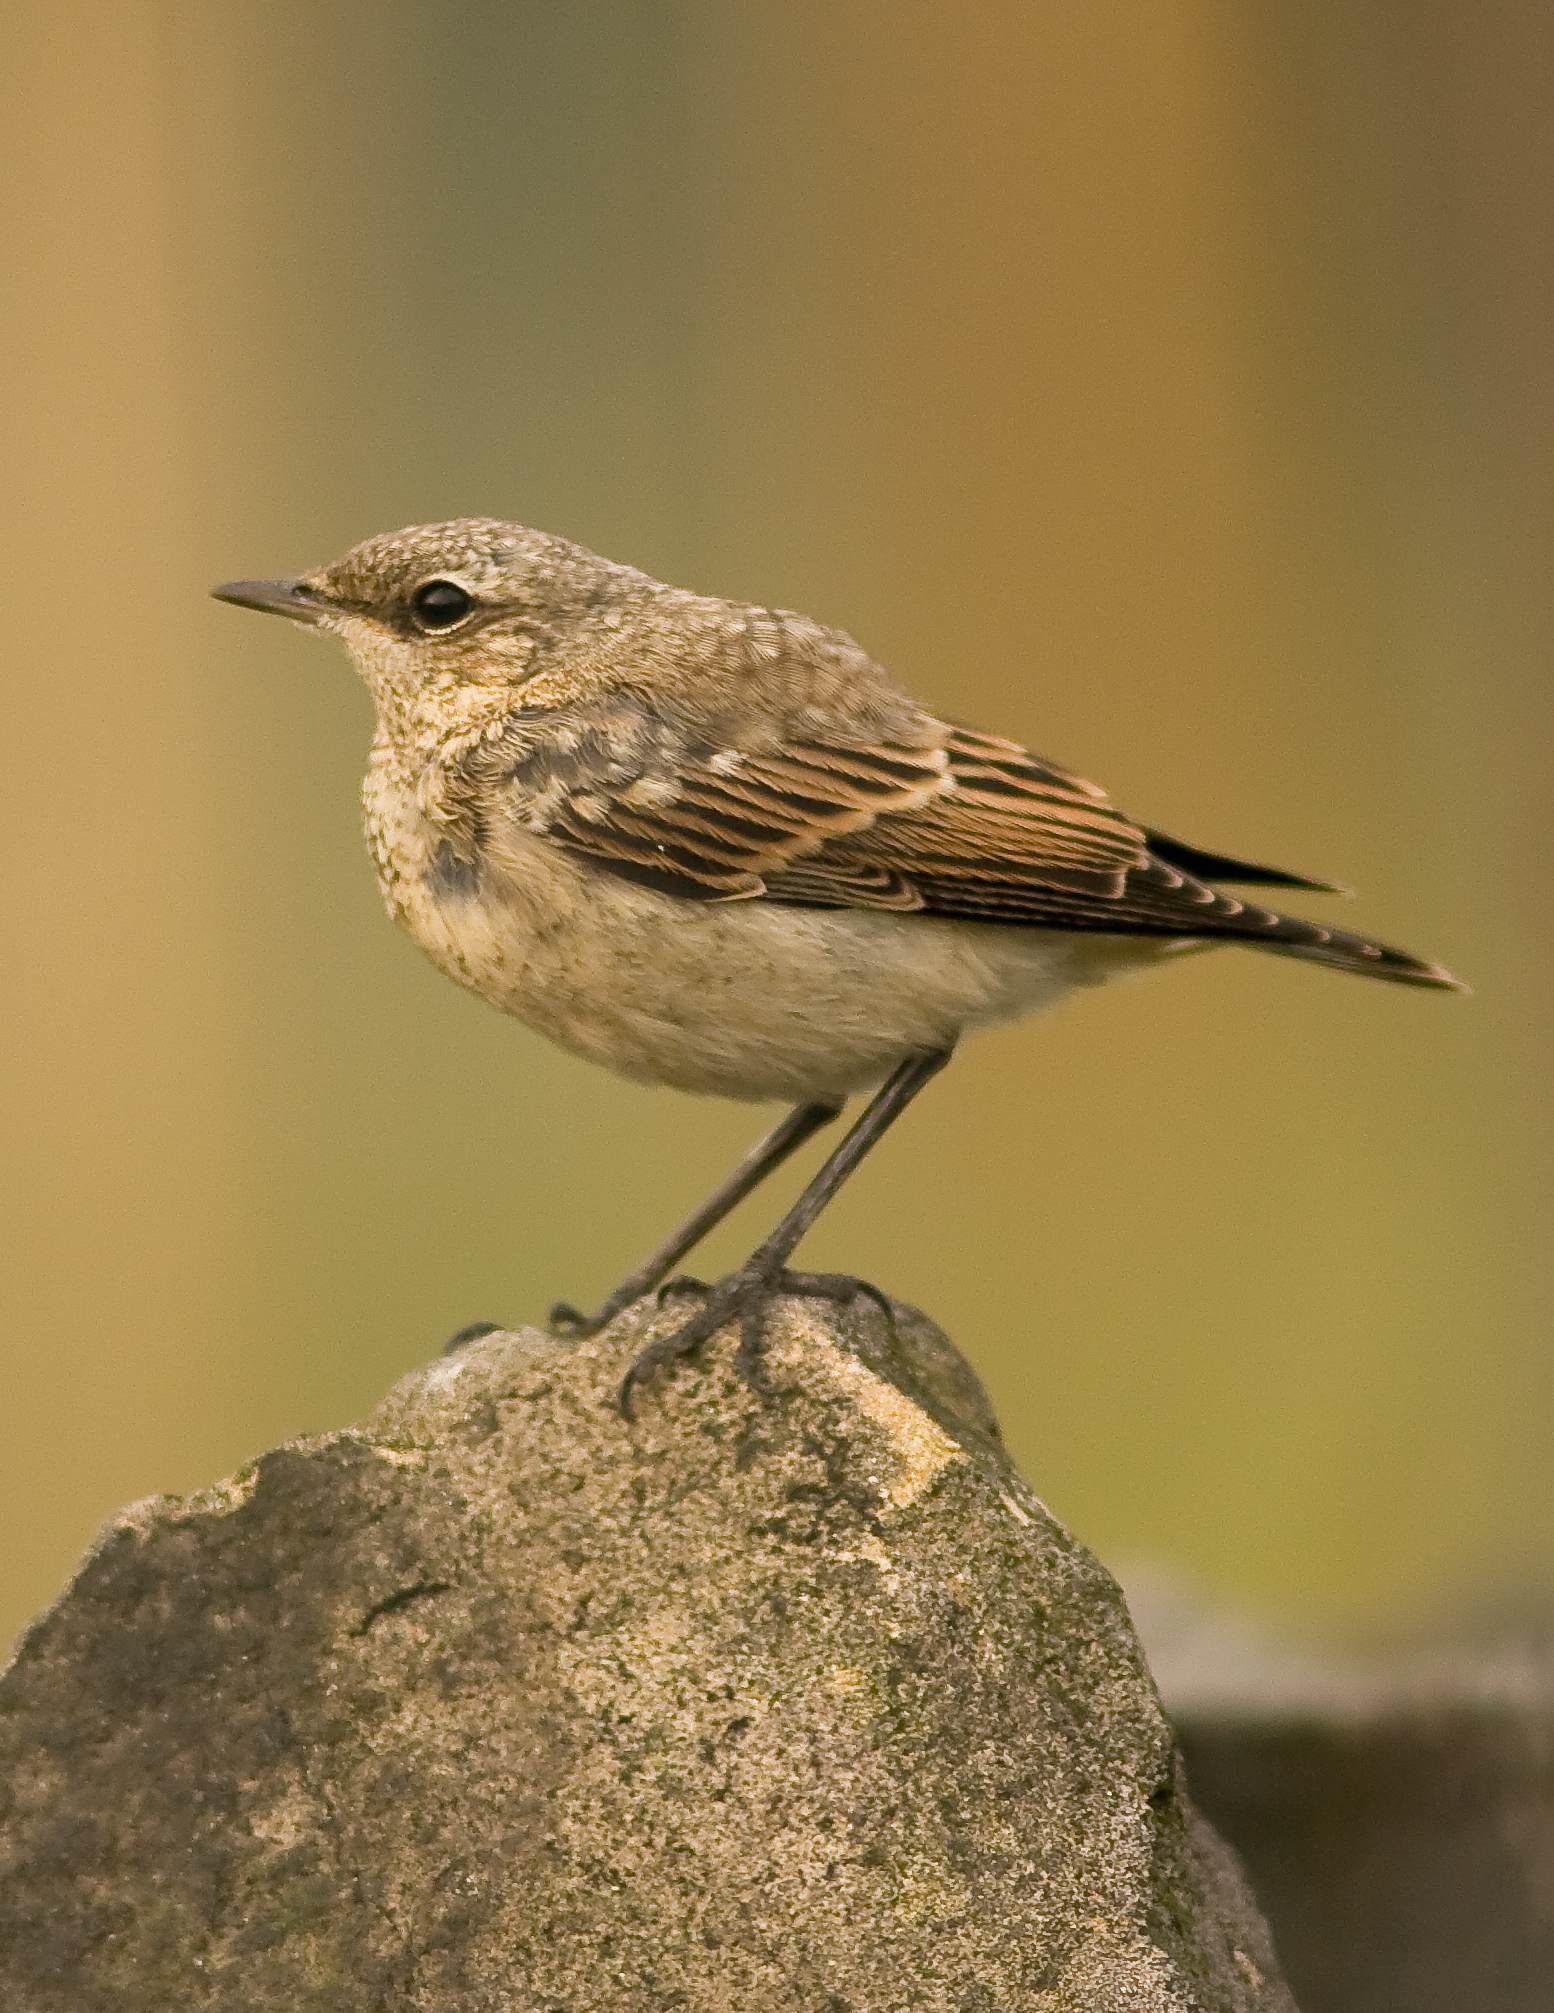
(738, 999)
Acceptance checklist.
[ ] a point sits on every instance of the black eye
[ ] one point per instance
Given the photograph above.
(440, 604)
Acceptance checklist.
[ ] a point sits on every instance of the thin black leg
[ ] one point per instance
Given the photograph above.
(763, 1159)
(743, 1293)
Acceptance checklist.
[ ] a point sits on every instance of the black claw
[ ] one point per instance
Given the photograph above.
(569, 1322)
(475, 1332)
(682, 1282)
(721, 1304)
(881, 1300)
(840, 1286)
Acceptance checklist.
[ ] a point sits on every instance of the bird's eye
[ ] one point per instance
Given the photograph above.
(440, 604)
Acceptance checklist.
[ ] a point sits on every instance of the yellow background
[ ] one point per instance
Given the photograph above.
(1165, 385)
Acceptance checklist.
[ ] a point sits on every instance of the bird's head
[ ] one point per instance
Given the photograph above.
(471, 602)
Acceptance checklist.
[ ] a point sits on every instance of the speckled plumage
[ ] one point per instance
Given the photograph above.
(712, 845)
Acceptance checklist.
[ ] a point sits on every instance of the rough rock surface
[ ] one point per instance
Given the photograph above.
(1397, 1813)
(497, 1702)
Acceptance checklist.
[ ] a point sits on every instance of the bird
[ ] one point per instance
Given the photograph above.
(714, 846)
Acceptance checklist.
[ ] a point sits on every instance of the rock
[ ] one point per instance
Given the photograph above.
(1397, 1814)
(497, 1702)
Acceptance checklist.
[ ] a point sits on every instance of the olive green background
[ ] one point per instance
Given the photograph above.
(1165, 385)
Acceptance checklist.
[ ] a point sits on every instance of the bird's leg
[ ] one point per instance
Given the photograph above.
(742, 1296)
(762, 1159)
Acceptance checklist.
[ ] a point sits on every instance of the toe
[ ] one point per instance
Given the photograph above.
(840, 1286)
(476, 1331)
(750, 1361)
(682, 1283)
(682, 1341)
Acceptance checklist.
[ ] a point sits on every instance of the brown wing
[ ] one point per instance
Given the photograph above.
(955, 823)
(721, 824)
(1008, 837)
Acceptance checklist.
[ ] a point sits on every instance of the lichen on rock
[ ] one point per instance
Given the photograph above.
(499, 1701)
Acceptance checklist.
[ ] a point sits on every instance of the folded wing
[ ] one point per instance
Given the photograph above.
(958, 824)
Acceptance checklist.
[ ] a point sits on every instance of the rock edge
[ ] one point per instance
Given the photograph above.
(498, 1702)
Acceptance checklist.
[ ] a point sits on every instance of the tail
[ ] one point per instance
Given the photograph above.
(1183, 876)
(1316, 944)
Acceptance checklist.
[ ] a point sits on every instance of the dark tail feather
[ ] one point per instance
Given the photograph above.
(1313, 943)
(1170, 898)
(1376, 961)
(1221, 867)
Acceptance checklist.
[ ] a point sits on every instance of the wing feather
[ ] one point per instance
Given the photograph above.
(956, 823)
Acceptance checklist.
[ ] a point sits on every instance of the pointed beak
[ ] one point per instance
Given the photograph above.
(293, 598)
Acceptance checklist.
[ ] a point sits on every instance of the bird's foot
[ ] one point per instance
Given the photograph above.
(741, 1297)
(475, 1332)
(571, 1324)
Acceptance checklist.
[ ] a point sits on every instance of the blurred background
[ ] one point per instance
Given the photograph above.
(1166, 386)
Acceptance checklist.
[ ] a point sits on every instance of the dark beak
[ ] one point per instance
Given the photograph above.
(275, 597)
